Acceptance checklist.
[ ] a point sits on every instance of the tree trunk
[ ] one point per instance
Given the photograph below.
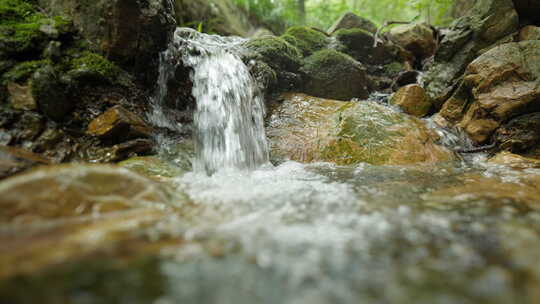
(302, 11)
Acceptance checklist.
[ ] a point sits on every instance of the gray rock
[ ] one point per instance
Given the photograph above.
(350, 20)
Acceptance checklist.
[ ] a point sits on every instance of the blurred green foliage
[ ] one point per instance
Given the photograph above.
(279, 14)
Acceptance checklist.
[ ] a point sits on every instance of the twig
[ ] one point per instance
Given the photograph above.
(386, 23)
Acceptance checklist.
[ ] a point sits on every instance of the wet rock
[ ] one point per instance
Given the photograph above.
(331, 74)
(514, 161)
(14, 160)
(50, 93)
(306, 39)
(53, 51)
(21, 97)
(350, 20)
(359, 43)
(489, 24)
(152, 167)
(28, 126)
(405, 78)
(112, 26)
(417, 38)
(412, 99)
(118, 124)
(276, 52)
(520, 135)
(529, 33)
(309, 129)
(497, 86)
(72, 190)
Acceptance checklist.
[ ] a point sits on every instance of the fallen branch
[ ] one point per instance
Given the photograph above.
(386, 23)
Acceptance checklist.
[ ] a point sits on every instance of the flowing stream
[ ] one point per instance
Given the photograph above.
(243, 231)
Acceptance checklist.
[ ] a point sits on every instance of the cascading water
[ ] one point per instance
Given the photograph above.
(228, 121)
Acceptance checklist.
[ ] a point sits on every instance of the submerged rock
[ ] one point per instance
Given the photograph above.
(412, 99)
(309, 129)
(331, 74)
(497, 86)
(351, 21)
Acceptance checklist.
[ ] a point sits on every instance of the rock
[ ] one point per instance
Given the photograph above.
(412, 99)
(404, 78)
(306, 39)
(359, 43)
(28, 126)
(461, 8)
(21, 97)
(350, 20)
(53, 51)
(514, 161)
(50, 93)
(331, 74)
(73, 190)
(118, 124)
(417, 38)
(529, 33)
(14, 160)
(152, 167)
(276, 52)
(519, 135)
(223, 17)
(497, 86)
(129, 32)
(489, 24)
(309, 129)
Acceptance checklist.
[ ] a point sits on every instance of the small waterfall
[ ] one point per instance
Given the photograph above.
(228, 120)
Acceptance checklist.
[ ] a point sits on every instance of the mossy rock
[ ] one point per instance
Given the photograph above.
(50, 93)
(331, 74)
(276, 52)
(310, 129)
(95, 65)
(306, 39)
(23, 71)
(358, 42)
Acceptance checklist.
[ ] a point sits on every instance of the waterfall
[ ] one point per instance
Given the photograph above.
(228, 120)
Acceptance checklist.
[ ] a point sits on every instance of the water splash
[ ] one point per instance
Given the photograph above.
(228, 120)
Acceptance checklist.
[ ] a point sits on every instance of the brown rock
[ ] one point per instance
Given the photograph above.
(310, 129)
(350, 21)
(514, 161)
(498, 86)
(412, 99)
(417, 38)
(118, 124)
(21, 97)
(529, 33)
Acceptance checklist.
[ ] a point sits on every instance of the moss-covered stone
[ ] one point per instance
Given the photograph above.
(306, 39)
(50, 93)
(309, 129)
(331, 74)
(357, 42)
(276, 52)
(95, 64)
(22, 71)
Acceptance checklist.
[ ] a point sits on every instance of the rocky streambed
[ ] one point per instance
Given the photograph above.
(400, 167)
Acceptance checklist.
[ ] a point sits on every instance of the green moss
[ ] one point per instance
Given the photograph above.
(307, 40)
(334, 75)
(394, 68)
(14, 11)
(21, 72)
(276, 52)
(95, 64)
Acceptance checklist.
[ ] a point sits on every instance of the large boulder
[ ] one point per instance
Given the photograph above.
(520, 135)
(412, 99)
(129, 32)
(497, 87)
(331, 74)
(417, 38)
(490, 23)
(310, 129)
(349, 21)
